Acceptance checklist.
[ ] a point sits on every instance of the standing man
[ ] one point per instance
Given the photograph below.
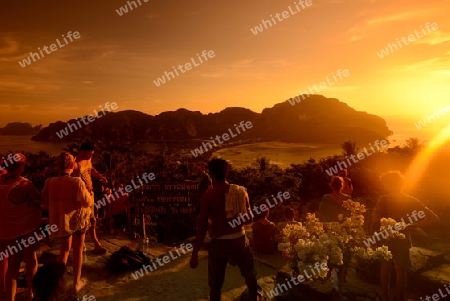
(224, 204)
(85, 170)
(203, 180)
(398, 205)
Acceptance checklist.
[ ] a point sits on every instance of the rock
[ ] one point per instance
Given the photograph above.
(422, 259)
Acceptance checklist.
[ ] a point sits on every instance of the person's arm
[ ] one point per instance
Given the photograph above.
(350, 185)
(45, 196)
(249, 210)
(428, 217)
(33, 195)
(84, 196)
(201, 230)
(96, 174)
(76, 169)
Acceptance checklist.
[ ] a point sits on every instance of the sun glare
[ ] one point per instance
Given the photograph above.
(420, 163)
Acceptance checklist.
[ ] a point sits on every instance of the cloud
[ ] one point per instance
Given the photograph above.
(435, 38)
(436, 65)
(11, 46)
(379, 18)
(399, 17)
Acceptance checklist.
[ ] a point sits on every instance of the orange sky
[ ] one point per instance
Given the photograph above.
(117, 58)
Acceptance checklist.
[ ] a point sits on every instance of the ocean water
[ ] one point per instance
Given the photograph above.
(24, 143)
(279, 153)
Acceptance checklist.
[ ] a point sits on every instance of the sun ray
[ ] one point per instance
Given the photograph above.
(420, 163)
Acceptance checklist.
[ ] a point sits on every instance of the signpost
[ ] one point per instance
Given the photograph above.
(161, 202)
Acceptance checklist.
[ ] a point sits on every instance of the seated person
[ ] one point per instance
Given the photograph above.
(265, 235)
(119, 210)
(331, 205)
(348, 186)
(49, 283)
(289, 215)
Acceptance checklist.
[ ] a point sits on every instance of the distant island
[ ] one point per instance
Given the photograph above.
(19, 129)
(316, 119)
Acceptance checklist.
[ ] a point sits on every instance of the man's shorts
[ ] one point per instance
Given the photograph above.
(13, 245)
(76, 233)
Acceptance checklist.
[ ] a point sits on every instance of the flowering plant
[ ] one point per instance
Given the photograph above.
(388, 224)
(303, 245)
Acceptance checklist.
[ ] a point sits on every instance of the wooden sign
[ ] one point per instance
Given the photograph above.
(166, 198)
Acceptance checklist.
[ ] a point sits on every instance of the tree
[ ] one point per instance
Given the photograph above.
(263, 163)
(349, 148)
(412, 145)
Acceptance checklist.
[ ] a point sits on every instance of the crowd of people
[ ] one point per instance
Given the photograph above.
(230, 244)
(69, 200)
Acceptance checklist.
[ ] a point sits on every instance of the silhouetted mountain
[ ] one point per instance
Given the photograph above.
(19, 129)
(315, 119)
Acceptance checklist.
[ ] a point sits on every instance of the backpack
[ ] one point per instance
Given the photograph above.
(126, 259)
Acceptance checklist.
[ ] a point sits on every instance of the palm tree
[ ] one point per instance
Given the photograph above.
(413, 145)
(349, 148)
(263, 163)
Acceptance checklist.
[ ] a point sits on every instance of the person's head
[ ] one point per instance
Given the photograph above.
(15, 163)
(289, 213)
(219, 169)
(343, 173)
(65, 161)
(263, 214)
(49, 281)
(118, 185)
(392, 181)
(336, 183)
(86, 151)
(201, 168)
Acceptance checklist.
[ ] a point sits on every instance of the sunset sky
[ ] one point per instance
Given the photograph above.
(117, 58)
